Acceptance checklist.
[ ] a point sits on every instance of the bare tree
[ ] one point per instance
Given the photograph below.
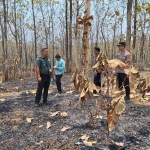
(35, 33)
(129, 16)
(5, 46)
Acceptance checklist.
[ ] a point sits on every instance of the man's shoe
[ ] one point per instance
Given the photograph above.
(127, 98)
(59, 92)
(45, 104)
(36, 105)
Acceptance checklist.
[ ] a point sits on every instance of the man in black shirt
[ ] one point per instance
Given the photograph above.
(97, 75)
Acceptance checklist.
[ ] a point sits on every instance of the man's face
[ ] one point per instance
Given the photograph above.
(121, 48)
(95, 52)
(45, 53)
(57, 59)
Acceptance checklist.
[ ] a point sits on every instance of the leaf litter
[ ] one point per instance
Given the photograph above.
(130, 126)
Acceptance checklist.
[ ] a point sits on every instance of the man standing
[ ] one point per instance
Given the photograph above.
(59, 71)
(43, 71)
(97, 75)
(123, 79)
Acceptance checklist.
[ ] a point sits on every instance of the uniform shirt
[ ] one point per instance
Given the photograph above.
(124, 57)
(44, 65)
(61, 67)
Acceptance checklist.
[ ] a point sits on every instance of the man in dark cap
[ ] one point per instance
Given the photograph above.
(123, 79)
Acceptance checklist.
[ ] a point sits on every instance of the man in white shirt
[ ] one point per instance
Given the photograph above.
(123, 79)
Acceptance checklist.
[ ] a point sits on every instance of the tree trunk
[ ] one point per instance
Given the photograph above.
(15, 25)
(35, 38)
(135, 24)
(46, 35)
(121, 34)
(3, 52)
(129, 16)
(70, 37)
(25, 49)
(5, 40)
(85, 40)
(113, 47)
(67, 53)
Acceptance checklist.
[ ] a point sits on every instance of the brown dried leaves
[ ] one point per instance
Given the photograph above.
(117, 108)
(116, 63)
(99, 66)
(87, 92)
(79, 80)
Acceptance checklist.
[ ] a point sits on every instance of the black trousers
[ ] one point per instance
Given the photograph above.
(97, 79)
(58, 82)
(123, 80)
(44, 84)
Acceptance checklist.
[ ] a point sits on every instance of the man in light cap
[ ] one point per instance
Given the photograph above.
(123, 79)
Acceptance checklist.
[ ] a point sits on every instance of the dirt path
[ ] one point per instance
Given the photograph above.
(16, 105)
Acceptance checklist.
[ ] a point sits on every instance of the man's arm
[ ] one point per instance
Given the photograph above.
(38, 72)
(129, 57)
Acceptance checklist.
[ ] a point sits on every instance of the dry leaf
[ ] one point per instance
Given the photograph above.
(117, 107)
(147, 94)
(63, 114)
(71, 103)
(134, 70)
(118, 143)
(120, 106)
(90, 143)
(2, 100)
(16, 119)
(29, 119)
(147, 98)
(39, 143)
(54, 113)
(69, 92)
(96, 65)
(99, 117)
(117, 93)
(116, 63)
(40, 126)
(65, 128)
(84, 137)
(48, 125)
(133, 81)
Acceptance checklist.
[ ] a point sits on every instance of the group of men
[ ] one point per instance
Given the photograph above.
(123, 79)
(44, 72)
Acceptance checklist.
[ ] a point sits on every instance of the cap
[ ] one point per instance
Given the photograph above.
(122, 44)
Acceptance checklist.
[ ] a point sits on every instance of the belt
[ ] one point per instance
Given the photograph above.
(45, 75)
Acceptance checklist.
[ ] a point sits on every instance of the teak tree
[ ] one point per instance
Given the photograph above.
(129, 16)
(85, 40)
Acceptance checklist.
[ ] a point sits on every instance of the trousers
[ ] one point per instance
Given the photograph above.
(58, 82)
(123, 80)
(97, 79)
(44, 84)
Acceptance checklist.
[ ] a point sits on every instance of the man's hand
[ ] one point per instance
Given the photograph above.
(39, 79)
(56, 68)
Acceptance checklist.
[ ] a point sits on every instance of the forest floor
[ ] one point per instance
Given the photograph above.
(25, 127)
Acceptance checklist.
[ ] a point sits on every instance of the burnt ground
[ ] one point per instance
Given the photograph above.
(17, 104)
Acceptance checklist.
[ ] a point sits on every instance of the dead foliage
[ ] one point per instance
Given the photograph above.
(110, 98)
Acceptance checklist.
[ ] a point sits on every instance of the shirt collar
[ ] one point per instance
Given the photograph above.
(43, 57)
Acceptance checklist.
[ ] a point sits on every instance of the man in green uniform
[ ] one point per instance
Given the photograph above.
(43, 71)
